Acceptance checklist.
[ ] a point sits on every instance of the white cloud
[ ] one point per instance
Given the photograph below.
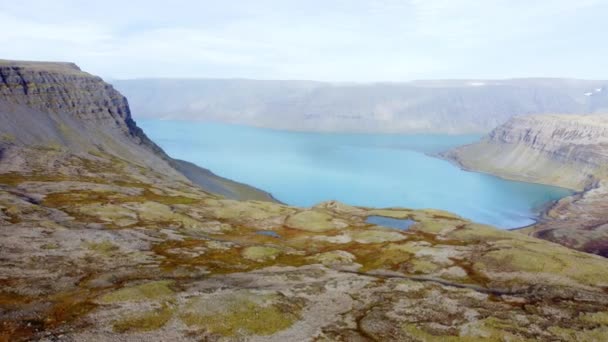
(331, 40)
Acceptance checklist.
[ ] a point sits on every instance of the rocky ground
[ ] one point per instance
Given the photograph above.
(579, 221)
(95, 248)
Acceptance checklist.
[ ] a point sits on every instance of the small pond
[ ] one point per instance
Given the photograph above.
(268, 233)
(401, 224)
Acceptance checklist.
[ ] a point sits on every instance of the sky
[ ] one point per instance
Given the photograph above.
(328, 40)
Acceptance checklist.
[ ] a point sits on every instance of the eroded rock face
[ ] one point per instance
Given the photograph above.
(564, 150)
(60, 107)
(64, 88)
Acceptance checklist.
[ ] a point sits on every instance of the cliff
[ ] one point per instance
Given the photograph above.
(448, 106)
(56, 105)
(570, 151)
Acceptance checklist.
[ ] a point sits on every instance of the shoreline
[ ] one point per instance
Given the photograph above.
(545, 208)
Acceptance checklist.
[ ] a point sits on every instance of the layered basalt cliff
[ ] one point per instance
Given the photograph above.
(56, 105)
(570, 151)
(564, 150)
(63, 88)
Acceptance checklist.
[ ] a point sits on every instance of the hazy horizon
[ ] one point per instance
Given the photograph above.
(332, 41)
(366, 82)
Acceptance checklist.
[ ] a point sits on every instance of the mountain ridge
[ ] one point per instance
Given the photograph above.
(431, 106)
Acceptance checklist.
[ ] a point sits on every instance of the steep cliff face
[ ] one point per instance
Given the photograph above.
(564, 150)
(62, 87)
(58, 106)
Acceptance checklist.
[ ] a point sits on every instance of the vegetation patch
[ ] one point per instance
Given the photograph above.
(146, 321)
(241, 313)
(148, 291)
(50, 245)
(261, 253)
(333, 258)
(104, 247)
(389, 257)
(8, 138)
(312, 221)
(596, 318)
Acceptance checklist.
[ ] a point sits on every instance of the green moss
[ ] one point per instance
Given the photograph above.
(241, 314)
(596, 318)
(146, 321)
(260, 253)
(513, 256)
(9, 138)
(49, 246)
(104, 247)
(15, 178)
(149, 291)
(333, 258)
(566, 334)
(485, 330)
(312, 221)
(389, 257)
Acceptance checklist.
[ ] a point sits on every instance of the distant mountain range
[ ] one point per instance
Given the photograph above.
(450, 106)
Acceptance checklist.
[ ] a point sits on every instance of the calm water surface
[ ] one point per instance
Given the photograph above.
(379, 170)
(400, 224)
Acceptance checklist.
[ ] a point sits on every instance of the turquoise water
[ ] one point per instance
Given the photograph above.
(268, 233)
(379, 170)
(401, 224)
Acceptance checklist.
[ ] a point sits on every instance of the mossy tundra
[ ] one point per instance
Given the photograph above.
(130, 254)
